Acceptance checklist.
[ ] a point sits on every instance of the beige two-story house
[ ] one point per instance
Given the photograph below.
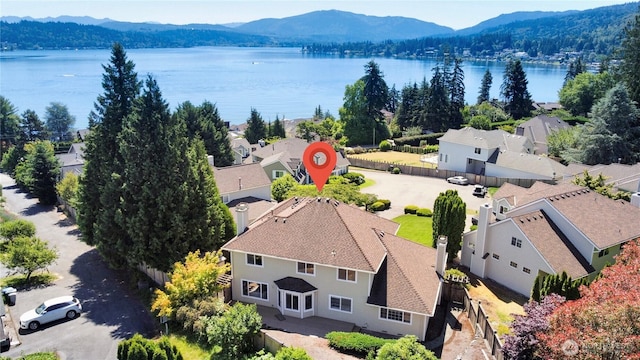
(318, 257)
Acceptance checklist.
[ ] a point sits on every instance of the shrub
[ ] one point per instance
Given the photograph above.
(384, 145)
(424, 212)
(410, 209)
(396, 170)
(291, 353)
(377, 206)
(354, 178)
(359, 150)
(14, 228)
(431, 139)
(431, 149)
(355, 343)
(473, 227)
(387, 203)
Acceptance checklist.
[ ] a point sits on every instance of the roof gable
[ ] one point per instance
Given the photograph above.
(485, 139)
(518, 196)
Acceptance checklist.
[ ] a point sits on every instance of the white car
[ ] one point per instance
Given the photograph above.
(51, 310)
(460, 180)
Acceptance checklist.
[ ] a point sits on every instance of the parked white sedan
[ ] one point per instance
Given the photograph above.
(51, 310)
(460, 180)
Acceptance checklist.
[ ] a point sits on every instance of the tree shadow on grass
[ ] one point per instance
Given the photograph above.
(109, 299)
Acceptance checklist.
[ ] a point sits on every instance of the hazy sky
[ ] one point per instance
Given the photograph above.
(457, 14)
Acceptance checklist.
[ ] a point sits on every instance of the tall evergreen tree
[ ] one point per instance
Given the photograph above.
(485, 87)
(215, 135)
(631, 58)
(31, 128)
(278, 128)
(576, 68)
(456, 93)
(376, 91)
(514, 90)
(40, 171)
(204, 122)
(170, 201)
(405, 115)
(438, 103)
(449, 214)
(256, 128)
(99, 194)
(394, 99)
(9, 121)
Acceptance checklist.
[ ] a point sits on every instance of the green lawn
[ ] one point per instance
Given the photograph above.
(415, 228)
(367, 183)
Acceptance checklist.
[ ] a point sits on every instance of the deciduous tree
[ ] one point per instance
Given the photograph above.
(232, 332)
(603, 323)
(405, 348)
(59, 121)
(26, 254)
(522, 343)
(281, 186)
(67, 188)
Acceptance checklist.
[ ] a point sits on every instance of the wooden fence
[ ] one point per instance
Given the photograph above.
(489, 181)
(481, 326)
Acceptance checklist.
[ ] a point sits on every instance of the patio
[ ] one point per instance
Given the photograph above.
(316, 326)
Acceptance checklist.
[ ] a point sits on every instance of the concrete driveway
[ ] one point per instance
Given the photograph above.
(403, 190)
(111, 310)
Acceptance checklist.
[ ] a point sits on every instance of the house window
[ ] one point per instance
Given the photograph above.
(496, 256)
(469, 161)
(477, 150)
(503, 209)
(446, 157)
(255, 289)
(308, 302)
(440, 157)
(347, 275)
(278, 174)
(527, 270)
(306, 268)
(603, 253)
(339, 303)
(291, 301)
(255, 260)
(513, 264)
(516, 242)
(225, 198)
(395, 315)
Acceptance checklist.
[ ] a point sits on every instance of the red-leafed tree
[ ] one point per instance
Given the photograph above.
(605, 322)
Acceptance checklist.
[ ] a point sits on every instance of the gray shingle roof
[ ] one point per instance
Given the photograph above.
(484, 139)
(240, 177)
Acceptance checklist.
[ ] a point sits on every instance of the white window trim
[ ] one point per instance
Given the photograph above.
(341, 298)
(394, 320)
(246, 259)
(292, 294)
(355, 280)
(253, 297)
(306, 264)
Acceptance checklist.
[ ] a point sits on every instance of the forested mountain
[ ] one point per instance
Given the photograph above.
(340, 26)
(595, 32)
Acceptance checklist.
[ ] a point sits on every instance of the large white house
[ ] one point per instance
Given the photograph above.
(547, 229)
(318, 257)
(494, 153)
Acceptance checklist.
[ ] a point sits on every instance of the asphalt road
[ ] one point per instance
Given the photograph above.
(111, 309)
(403, 190)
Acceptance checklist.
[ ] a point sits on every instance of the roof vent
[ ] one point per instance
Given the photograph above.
(327, 200)
(284, 221)
(336, 203)
(318, 199)
(381, 233)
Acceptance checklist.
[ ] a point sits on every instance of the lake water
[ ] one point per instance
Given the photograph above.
(274, 81)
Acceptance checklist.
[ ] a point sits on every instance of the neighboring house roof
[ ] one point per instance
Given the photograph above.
(257, 207)
(605, 221)
(484, 139)
(529, 163)
(548, 106)
(330, 233)
(538, 128)
(552, 244)
(230, 179)
(289, 152)
(77, 148)
(620, 176)
(518, 196)
(239, 142)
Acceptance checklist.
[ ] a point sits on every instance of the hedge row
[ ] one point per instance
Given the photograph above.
(431, 139)
(355, 343)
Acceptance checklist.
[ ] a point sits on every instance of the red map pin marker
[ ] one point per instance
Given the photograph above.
(319, 159)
